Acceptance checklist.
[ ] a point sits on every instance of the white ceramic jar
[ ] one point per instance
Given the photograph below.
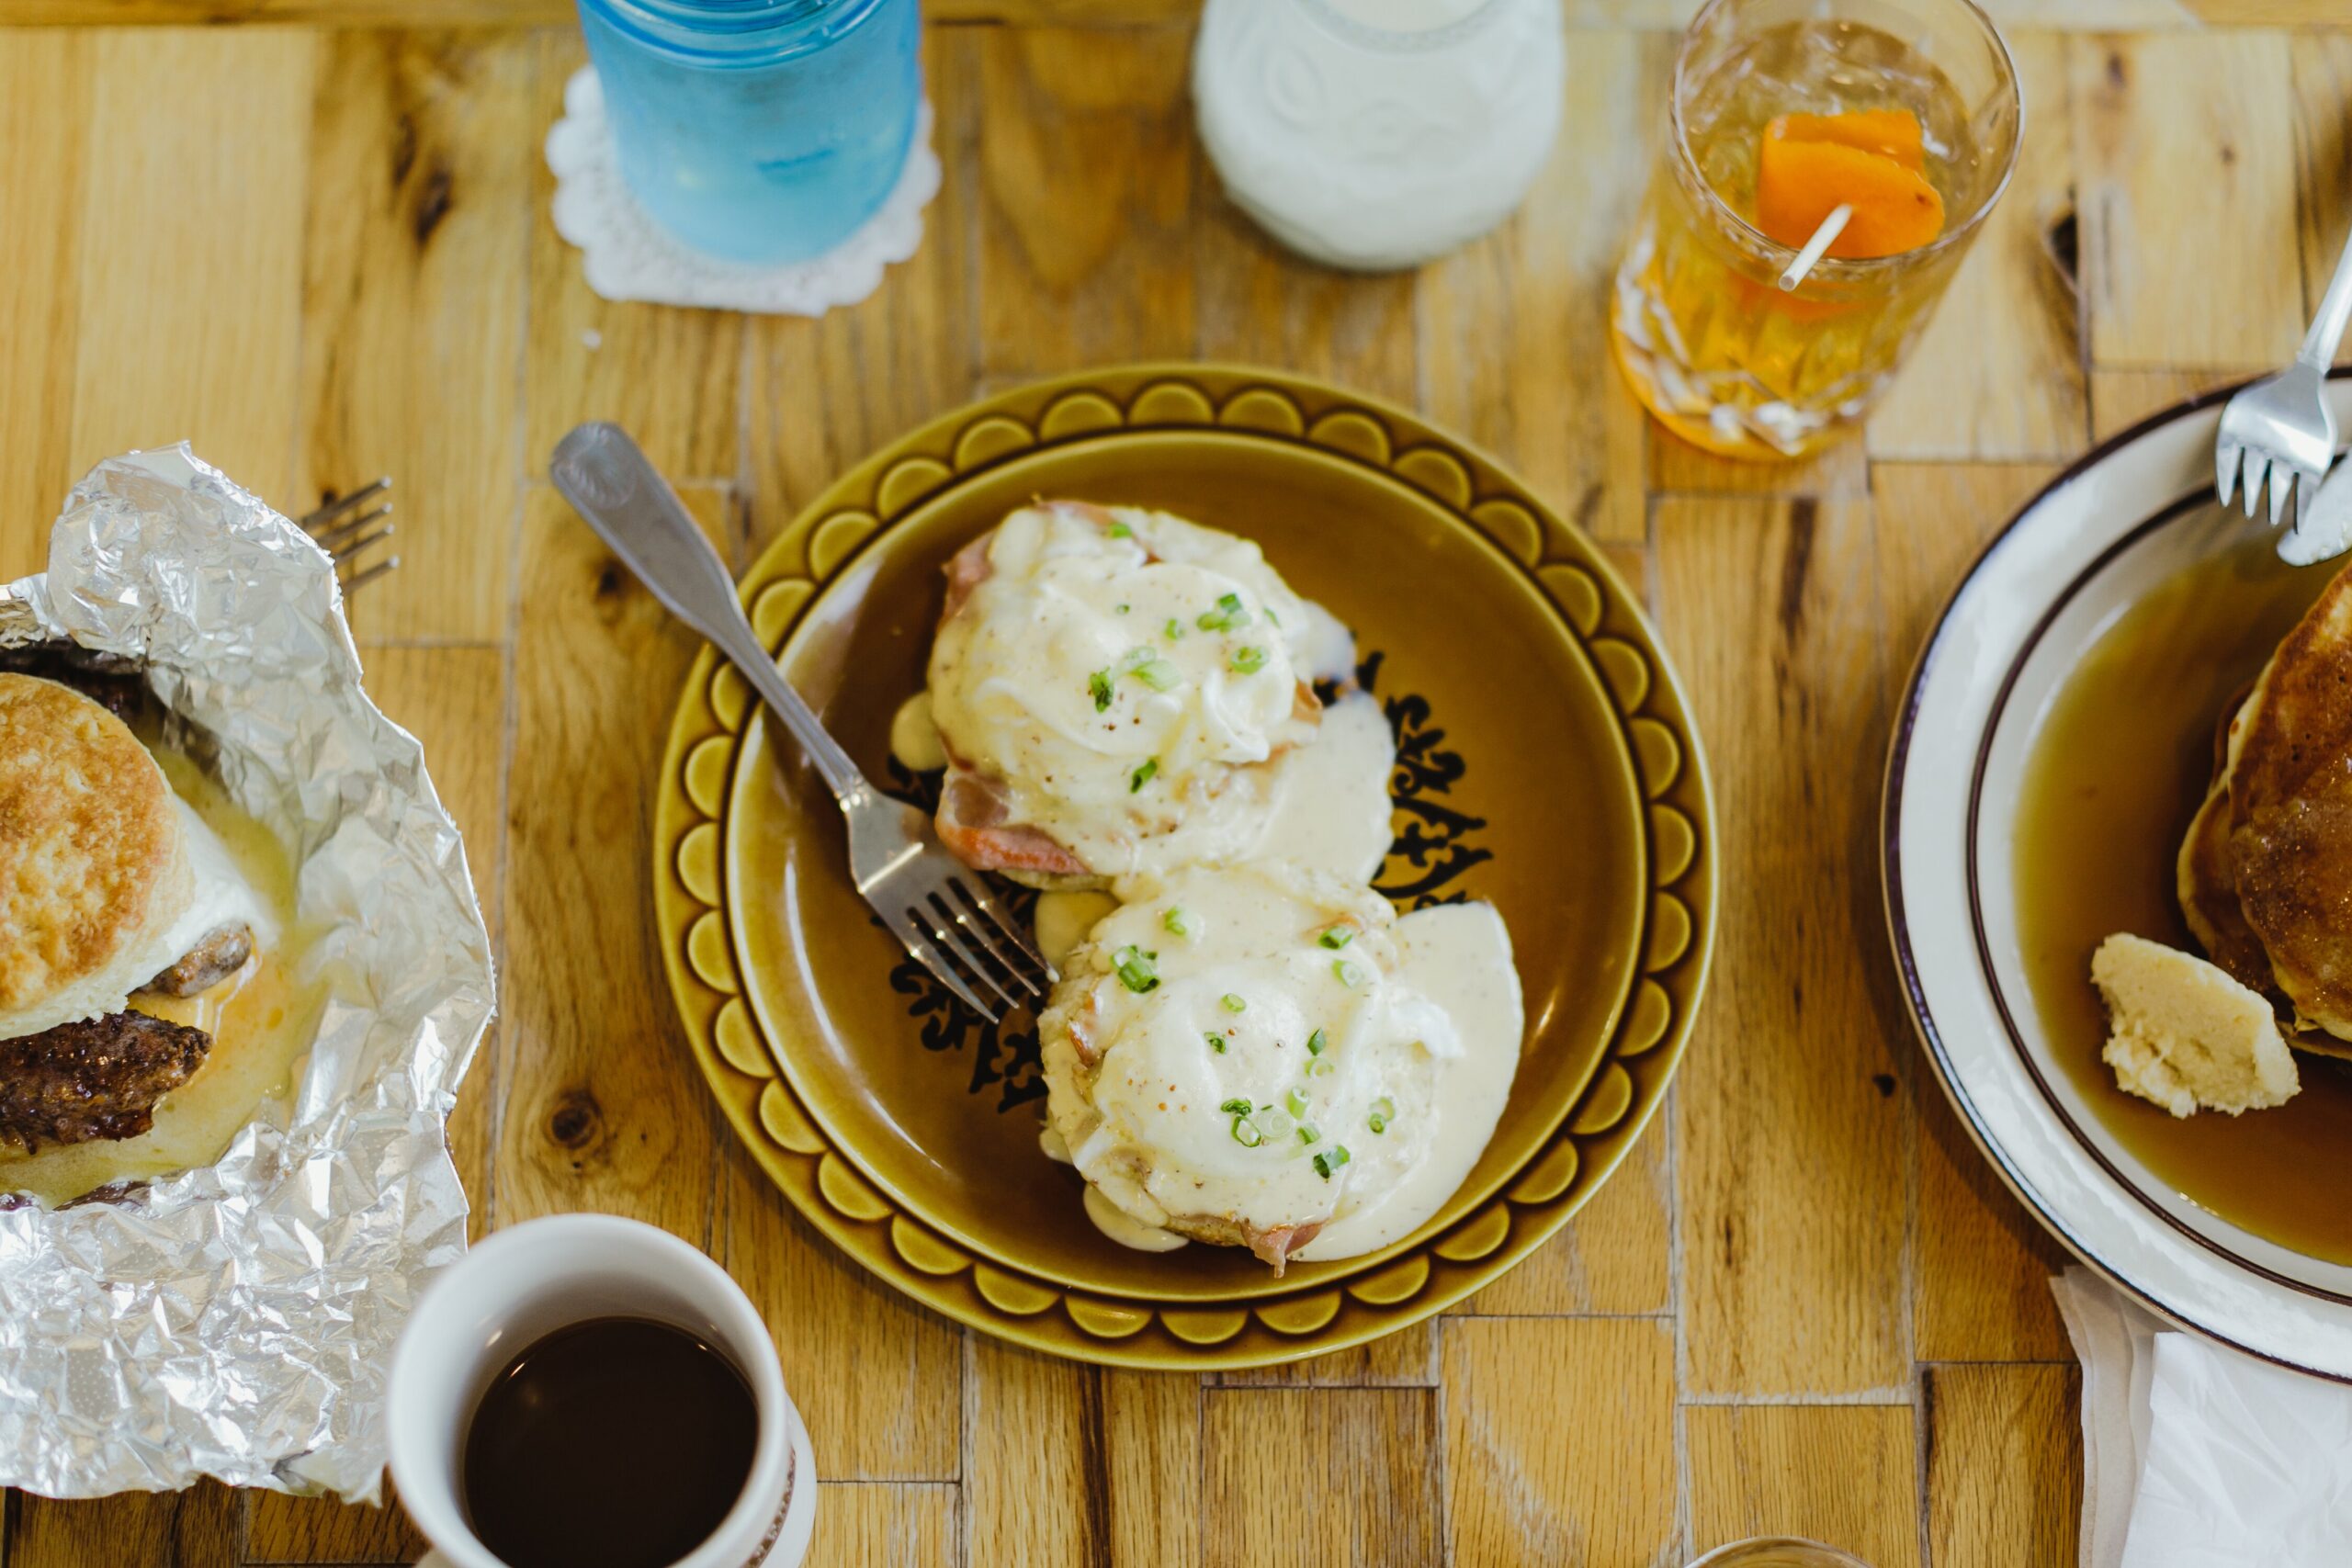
(1375, 134)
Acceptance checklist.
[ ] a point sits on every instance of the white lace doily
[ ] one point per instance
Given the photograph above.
(626, 255)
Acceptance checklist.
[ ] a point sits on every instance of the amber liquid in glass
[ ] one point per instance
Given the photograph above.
(2121, 764)
(1720, 353)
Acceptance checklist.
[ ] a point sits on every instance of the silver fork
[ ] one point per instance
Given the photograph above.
(2282, 428)
(341, 528)
(940, 909)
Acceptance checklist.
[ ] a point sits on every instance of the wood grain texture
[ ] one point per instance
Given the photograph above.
(2122, 398)
(191, 298)
(602, 1108)
(823, 393)
(1983, 1263)
(1761, 1319)
(1259, 305)
(1559, 1441)
(1677, 467)
(2321, 77)
(199, 1527)
(2178, 140)
(1614, 1258)
(1514, 327)
(1069, 1463)
(1846, 1475)
(294, 1530)
(412, 312)
(44, 129)
(1989, 1427)
(671, 376)
(453, 699)
(883, 1527)
(1998, 374)
(1406, 1358)
(1340, 1476)
(1792, 1086)
(892, 1420)
(1086, 155)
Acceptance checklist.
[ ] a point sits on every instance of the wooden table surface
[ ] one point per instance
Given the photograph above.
(321, 251)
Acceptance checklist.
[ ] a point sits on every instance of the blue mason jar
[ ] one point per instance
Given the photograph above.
(759, 130)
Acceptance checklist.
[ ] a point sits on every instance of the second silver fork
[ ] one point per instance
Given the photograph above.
(2279, 434)
(941, 910)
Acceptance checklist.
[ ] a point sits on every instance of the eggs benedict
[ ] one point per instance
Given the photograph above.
(1112, 690)
(1268, 1056)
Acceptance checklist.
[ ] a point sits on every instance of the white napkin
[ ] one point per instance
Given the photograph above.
(2195, 1455)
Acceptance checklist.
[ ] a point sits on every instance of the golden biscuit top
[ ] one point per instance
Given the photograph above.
(91, 857)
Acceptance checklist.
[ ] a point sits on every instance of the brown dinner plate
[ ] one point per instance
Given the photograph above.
(1545, 762)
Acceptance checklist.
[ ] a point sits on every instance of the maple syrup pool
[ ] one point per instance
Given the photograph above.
(2120, 763)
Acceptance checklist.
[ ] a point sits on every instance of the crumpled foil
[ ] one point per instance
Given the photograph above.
(238, 1321)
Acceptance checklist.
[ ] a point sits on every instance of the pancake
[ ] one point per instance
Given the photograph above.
(2290, 788)
(94, 867)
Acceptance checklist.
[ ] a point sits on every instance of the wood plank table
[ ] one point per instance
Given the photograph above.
(320, 251)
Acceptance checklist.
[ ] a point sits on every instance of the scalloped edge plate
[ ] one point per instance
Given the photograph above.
(1530, 1204)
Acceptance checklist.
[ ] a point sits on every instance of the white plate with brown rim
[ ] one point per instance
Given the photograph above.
(2056, 736)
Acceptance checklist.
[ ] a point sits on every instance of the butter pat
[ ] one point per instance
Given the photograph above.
(2186, 1036)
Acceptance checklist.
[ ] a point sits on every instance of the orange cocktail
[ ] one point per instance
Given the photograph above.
(1895, 122)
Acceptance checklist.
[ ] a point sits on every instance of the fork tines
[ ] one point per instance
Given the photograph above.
(346, 526)
(959, 931)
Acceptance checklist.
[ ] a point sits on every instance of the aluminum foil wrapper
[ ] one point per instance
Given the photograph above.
(238, 1321)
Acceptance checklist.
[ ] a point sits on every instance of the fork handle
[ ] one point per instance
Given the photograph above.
(625, 499)
(2334, 310)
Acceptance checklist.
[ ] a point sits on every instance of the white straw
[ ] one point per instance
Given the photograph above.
(1831, 227)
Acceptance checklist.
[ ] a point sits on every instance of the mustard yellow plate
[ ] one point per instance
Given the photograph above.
(1546, 761)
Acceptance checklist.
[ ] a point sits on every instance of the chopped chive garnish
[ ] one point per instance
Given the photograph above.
(1315, 1041)
(1236, 1106)
(1175, 630)
(1382, 1110)
(1227, 616)
(1099, 683)
(1233, 1003)
(1308, 1132)
(1142, 776)
(1347, 973)
(1295, 1102)
(1178, 921)
(1330, 1160)
(1135, 970)
(1337, 938)
(1123, 609)
(1120, 531)
(1321, 1069)
(1216, 1043)
(1249, 660)
(1157, 673)
(1273, 619)
(1245, 1133)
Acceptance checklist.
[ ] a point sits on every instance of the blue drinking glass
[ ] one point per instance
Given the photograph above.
(759, 130)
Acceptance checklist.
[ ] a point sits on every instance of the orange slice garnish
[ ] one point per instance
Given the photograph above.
(1811, 165)
(1890, 133)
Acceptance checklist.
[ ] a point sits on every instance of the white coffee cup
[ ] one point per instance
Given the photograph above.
(523, 1284)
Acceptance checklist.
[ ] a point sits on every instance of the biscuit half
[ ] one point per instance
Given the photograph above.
(94, 860)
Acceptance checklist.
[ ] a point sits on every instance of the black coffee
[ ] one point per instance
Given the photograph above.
(614, 1443)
